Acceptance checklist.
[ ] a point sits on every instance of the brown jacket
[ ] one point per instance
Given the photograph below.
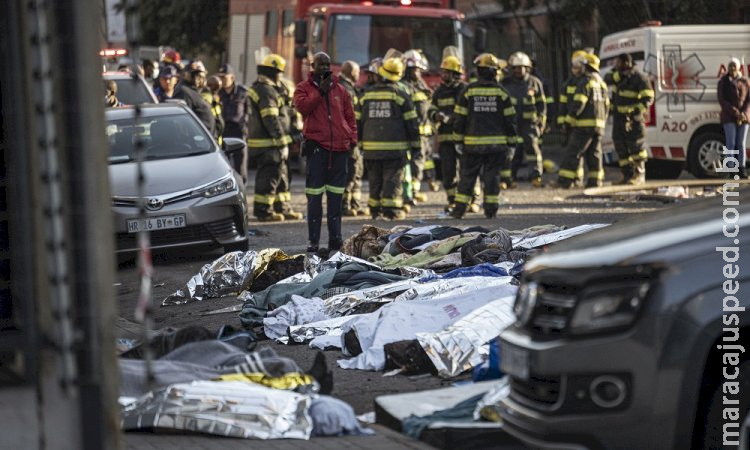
(734, 99)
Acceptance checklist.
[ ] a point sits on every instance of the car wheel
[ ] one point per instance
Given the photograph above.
(242, 246)
(660, 169)
(712, 414)
(705, 155)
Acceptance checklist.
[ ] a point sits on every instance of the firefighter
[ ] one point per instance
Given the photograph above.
(353, 193)
(188, 90)
(422, 164)
(485, 124)
(588, 108)
(268, 139)
(388, 127)
(441, 113)
(566, 93)
(632, 96)
(527, 96)
(293, 122)
(210, 93)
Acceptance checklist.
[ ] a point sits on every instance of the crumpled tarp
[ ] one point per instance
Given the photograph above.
(462, 345)
(298, 311)
(395, 321)
(433, 253)
(224, 408)
(530, 240)
(488, 407)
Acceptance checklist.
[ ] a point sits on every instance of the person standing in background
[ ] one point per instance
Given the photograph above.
(353, 193)
(733, 92)
(235, 109)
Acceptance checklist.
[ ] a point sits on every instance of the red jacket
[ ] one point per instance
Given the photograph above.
(331, 124)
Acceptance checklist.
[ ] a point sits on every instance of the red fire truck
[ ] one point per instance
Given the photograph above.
(345, 29)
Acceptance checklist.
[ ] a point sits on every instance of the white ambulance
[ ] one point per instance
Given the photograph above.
(684, 63)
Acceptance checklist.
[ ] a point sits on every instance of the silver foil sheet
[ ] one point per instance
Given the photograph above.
(225, 408)
(461, 346)
(342, 304)
(452, 286)
(415, 272)
(227, 275)
(309, 331)
(488, 407)
(555, 236)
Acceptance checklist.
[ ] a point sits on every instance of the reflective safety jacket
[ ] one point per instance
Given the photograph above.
(444, 101)
(286, 93)
(388, 125)
(565, 99)
(527, 96)
(269, 122)
(420, 96)
(215, 103)
(485, 119)
(589, 106)
(632, 93)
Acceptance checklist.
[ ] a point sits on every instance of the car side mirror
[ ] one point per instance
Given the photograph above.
(233, 145)
(300, 32)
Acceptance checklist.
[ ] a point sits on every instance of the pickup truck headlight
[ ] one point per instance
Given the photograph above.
(218, 187)
(603, 308)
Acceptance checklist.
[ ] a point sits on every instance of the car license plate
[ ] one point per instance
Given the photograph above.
(514, 361)
(157, 223)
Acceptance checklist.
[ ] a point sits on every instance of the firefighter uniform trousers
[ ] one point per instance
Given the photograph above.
(444, 101)
(485, 122)
(267, 179)
(527, 96)
(288, 116)
(632, 95)
(587, 115)
(566, 92)
(421, 156)
(355, 170)
(326, 173)
(386, 189)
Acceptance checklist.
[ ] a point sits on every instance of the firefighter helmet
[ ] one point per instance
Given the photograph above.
(577, 54)
(592, 61)
(171, 56)
(519, 59)
(274, 61)
(487, 60)
(392, 69)
(451, 63)
(415, 58)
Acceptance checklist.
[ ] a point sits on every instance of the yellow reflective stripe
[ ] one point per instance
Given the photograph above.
(409, 115)
(513, 101)
(357, 115)
(528, 100)
(570, 89)
(315, 191)
(284, 196)
(392, 202)
(448, 138)
(461, 110)
(485, 140)
(625, 109)
(461, 198)
(643, 154)
(506, 173)
(616, 76)
(624, 162)
(383, 96)
(446, 101)
(596, 175)
(425, 129)
(264, 199)
(429, 164)
(529, 115)
(492, 199)
(272, 111)
(486, 91)
(563, 98)
(561, 120)
(458, 137)
(385, 145)
(253, 95)
(583, 98)
(373, 202)
(646, 93)
(587, 123)
(627, 93)
(334, 189)
(569, 174)
(509, 111)
(419, 96)
(261, 143)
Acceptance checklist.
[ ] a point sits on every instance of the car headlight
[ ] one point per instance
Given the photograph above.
(613, 305)
(222, 186)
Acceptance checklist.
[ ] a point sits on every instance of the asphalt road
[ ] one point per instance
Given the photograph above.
(521, 208)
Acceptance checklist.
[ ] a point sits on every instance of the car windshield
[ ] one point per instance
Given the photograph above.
(361, 38)
(132, 92)
(168, 136)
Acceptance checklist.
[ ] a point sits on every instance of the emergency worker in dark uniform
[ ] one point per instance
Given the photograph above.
(210, 93)
(587, 115)
(388, 127)
(268, 138)
(527, 96)
(188, 90)
(353, 193)
(441, 113)
(235, 109)
(422, 165)
(293, 123)
(632, 96)
(566, 98)
(485, 123)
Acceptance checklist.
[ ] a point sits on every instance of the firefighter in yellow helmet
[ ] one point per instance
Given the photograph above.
(268, 136)
(485, 127)
(587, 114)
(566, 94)
(441, 113)
(527, 96)
(388, 128)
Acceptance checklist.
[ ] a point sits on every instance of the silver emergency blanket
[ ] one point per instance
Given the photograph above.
(225, 276)
(342, 304)
(520, 242)
(461, 346)
(328, 328)
(396, 321)
(225, 408)
(298, 311)
(316, 266)
(488, 407)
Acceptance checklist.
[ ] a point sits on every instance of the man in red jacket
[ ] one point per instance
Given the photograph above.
(330, 131)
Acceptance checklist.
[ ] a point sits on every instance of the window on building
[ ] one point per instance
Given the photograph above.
(272, 23)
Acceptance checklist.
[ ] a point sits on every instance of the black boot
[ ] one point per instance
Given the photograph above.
(459, 211)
